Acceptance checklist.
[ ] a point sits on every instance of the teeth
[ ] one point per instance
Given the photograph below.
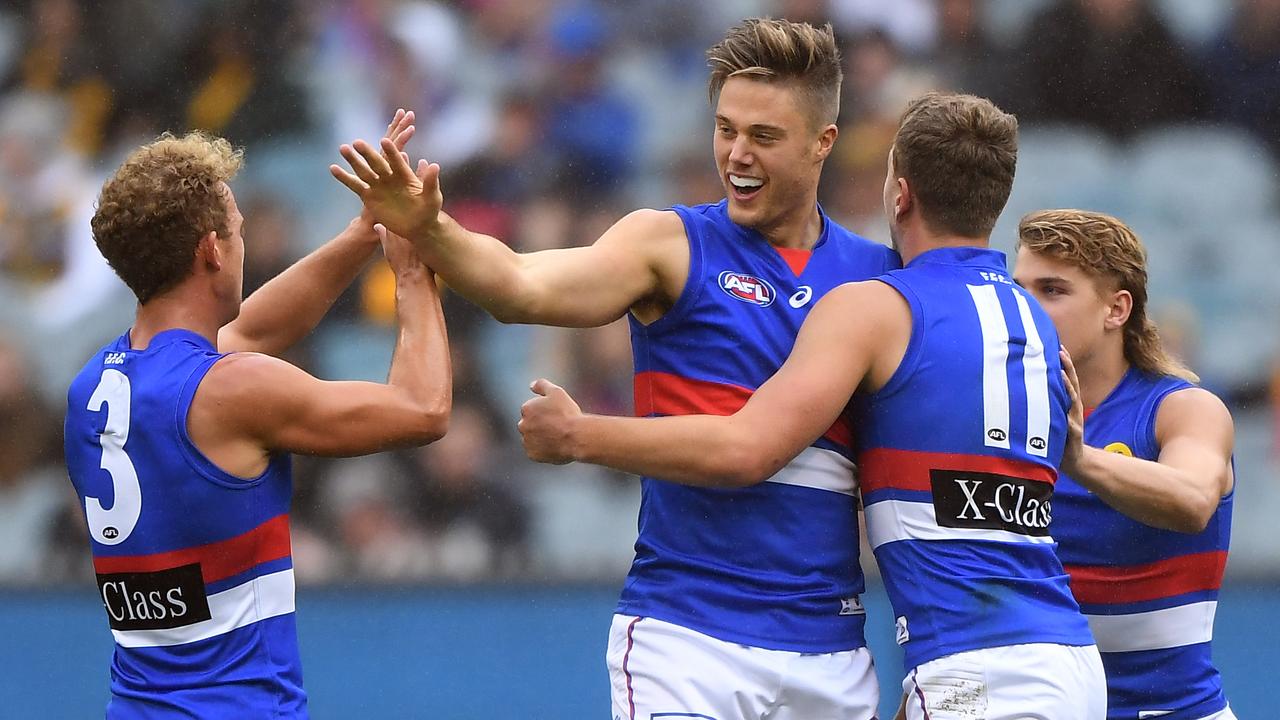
(743, 183)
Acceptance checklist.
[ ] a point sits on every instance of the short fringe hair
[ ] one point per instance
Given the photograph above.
(774, 50)
(1106, 249)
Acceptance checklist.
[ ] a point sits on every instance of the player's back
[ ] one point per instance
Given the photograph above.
(1149, 594)
(957, 458)
(193, 564)
(775, 565)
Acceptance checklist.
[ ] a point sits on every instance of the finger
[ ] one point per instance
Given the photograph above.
(376, 161)
(402, 137)
(357, 163)
(398, 161)
(353, 183)
(544, 387)
(381, 231)
(396, 123)
(429, 174)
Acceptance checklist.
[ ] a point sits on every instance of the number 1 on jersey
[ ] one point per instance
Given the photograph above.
(111, 527)
(995, 375)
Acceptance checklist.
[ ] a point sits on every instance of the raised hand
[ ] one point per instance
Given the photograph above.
(546, 422)
(406, 201)
(1075, 416)
(400, 130)
(400, 255)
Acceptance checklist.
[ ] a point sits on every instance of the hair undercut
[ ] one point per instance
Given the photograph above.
(781, 51)
(958, 154)
(153, 211)
(1105, 249)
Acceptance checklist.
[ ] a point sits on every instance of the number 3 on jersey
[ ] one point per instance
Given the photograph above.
(111, 527)
(995, 372)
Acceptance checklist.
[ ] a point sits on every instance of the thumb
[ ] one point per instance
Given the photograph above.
(381, 231)
(428, 173)
(544, 387)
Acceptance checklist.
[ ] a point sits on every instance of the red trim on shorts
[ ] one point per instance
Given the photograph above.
(920, 694)
(220, 560)
(626, 657)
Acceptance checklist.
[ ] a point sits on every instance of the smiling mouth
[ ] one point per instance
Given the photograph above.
(744, 188)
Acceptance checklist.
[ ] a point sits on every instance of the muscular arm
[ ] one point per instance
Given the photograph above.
(1181, 489)
(251, 405)
(643, 257)
(292, 303)
(856, 333)
(640, 263)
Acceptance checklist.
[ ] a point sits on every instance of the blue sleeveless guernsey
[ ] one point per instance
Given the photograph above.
(193, 565)
(1150, 594)
(957, 457)
(776, 565)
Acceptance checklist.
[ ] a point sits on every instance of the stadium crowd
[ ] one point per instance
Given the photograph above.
(549, 119)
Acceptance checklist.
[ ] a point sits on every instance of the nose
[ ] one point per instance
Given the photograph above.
(740, 152)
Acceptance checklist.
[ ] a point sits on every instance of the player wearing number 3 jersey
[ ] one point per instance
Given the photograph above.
(177, 437)
(960, 419)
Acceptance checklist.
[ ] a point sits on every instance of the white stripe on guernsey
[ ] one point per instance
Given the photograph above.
(821, 469)
(1155, 630)
(893, 520)
(258, 599)
(1035, 371)
(995, 359)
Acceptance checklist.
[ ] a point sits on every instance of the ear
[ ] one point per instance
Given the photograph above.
(208, 252)
(826, 141)
(1118, 311)
(906, 199)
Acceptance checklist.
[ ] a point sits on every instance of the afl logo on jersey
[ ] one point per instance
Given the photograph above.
(747, 288)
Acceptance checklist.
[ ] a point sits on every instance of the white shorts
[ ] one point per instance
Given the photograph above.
(1018, 682)
(1223, 714)
(658, 670)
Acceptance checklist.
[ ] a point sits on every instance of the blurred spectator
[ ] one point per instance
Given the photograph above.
(910, 24)
(475, 518)
(234, 73)
(965, 58)
(1245, 69)
(58, 58)
(588, 125)
(1109, 63)
(33, 489)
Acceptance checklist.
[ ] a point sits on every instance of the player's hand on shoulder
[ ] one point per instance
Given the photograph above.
(546, 423)
(1074, 448)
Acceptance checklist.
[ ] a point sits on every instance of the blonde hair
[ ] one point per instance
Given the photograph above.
(159, 203)
(782, 51)
(1105, 248)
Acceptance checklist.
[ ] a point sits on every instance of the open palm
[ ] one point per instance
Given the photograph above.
(405, 200)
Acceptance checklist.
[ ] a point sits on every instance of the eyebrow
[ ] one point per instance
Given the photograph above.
(756, 127)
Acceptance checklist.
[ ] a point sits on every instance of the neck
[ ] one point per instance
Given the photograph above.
(918, 242)
(174, 310)
(799, 228)
(1100, 373)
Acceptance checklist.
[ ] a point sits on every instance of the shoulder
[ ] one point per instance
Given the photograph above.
(869, 302)
(247, 379)
(1193, 411)
(651, 223)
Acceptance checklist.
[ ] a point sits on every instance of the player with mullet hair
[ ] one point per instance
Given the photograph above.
(178, 433)
(1142, 514)
(742, 603)
(960, 406)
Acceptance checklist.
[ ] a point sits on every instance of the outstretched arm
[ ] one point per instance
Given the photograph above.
(290, 305)
(850, 336)
(1181, 489)
(255, 401)
(640, 262)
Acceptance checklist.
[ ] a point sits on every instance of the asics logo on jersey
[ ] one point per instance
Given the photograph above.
(991, 502)
(800, 297)
(747, 288)
(154, 600)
